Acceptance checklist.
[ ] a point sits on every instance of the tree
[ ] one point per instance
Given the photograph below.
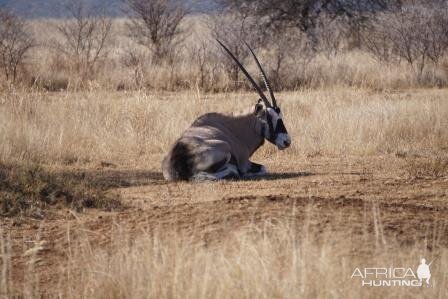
(84, 37)
(155, 24)
(415, 34)
(201, 56)
(15, 43)
(290, 55)
(234, 29)
(304, 14)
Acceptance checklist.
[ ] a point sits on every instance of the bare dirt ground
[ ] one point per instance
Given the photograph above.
(349, 196)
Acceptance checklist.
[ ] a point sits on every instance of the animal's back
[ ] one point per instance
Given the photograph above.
(210, 119)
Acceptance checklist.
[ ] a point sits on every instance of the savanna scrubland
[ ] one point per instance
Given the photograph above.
(86, 117)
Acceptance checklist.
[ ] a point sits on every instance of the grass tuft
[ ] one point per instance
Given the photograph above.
(30, 190)
(434, 167)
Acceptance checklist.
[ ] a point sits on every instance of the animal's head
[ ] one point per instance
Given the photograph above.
(274, 129)
(268, 113)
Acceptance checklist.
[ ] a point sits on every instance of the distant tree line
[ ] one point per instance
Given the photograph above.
(410, 30)
(291, 32)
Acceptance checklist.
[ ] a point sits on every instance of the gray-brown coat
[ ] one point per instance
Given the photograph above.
(219, 146)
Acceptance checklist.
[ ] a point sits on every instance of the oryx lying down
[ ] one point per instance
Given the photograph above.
(218, 146)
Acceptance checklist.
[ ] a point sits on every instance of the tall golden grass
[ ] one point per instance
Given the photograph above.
(276, 259)
(139, 127)
(272, 261)
(136, 129)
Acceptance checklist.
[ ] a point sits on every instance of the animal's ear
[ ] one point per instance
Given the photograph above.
(258, 108)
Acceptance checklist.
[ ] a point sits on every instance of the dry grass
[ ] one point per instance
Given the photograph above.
(433, 167)
(129, 128)
(96, 128)
(225, 239)
(277, 259)
(31, 190)
(272, 261)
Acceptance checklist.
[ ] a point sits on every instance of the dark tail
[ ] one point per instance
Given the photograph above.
(181, 162)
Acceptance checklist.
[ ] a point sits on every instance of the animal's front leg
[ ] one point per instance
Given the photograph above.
(255, 169)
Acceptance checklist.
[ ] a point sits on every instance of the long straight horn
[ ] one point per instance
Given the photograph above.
(255, 85)
(263, 75)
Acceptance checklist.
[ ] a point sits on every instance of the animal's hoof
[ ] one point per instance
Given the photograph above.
(262, 171)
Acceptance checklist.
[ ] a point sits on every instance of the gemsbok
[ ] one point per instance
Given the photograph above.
(218, 146)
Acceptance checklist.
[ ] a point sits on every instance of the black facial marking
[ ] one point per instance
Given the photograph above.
(270, 124)
(280, 128)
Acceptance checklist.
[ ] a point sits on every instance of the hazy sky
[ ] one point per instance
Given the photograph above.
(51, 8)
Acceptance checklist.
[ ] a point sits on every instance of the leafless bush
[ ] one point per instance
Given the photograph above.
(234, 28)
(155, 24)
(134, 59)
(203, 56)
(84, 38)
(330, 34)
(306, 15)
(376, 40)
(199, 54)
(436, 33)
(15, 43)
(415, 34)
(291, 53)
